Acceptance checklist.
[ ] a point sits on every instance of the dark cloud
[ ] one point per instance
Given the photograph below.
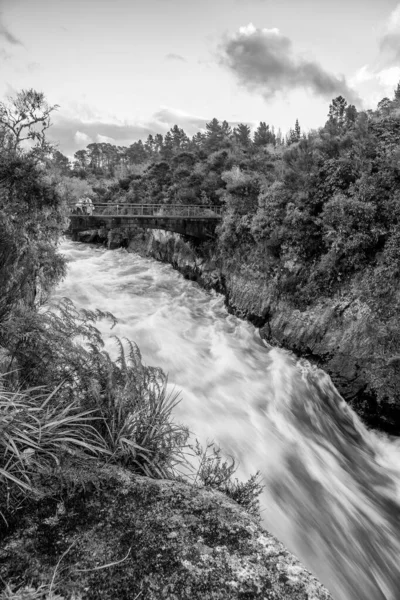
(172, 56)
(263, 61)
(8, 36)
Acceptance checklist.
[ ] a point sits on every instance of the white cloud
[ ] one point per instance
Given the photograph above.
(378, 80)
(389, 42)
(375, 84)
(394, 19)
(247, 29)
(363, 74)
(104, 139)
(82, 139)
(389, 77)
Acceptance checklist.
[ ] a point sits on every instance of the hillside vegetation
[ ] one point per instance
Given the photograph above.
(314, 215)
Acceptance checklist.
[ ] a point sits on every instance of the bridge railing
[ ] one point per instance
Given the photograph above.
(146, 210)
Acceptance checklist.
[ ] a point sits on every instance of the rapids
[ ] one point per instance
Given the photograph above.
(332, 487)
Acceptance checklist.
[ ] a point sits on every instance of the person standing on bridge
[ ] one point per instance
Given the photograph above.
(89, 206)
(79, 207)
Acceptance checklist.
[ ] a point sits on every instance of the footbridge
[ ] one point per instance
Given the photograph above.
(197, 221)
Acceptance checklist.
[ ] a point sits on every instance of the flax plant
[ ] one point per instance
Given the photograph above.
(137, 425)
(36, 431)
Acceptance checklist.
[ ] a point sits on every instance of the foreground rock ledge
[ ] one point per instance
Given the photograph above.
(178, 541)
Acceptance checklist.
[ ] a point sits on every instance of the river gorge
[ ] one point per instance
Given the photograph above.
(332, 487)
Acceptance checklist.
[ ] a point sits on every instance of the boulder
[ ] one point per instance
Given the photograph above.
(113, 535)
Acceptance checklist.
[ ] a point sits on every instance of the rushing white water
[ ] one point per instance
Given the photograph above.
(332, 488)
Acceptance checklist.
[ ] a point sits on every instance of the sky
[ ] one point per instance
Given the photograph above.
(122, 69)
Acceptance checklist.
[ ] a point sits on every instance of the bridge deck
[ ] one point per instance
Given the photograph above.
(165, 211)
(166, 217)
(190, 220)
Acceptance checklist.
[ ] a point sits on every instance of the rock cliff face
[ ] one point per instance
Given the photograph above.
(120, 536)
(334, 334)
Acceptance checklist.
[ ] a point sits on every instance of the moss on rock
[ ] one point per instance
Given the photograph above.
(114, 535)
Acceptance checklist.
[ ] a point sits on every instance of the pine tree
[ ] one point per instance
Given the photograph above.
(198, 140)
(397, 93)
(81, 158)
(136, 153)
(337, 111)
(263, 136)
(214, 135)
(291, 137)
(242, 135)
(227, 134)
(297, 131)
(158, 142)
(168, 146)
(179, 138)
(350, 115)
(150, 145)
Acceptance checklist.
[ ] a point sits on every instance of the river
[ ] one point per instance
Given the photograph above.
(332, 488)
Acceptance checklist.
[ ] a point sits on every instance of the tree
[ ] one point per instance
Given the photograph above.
(263, 136)
(242, 135)
(350, 116)
(297, 130)
(279, 138)
(61, 162)
(397, 93)
(136, 153)
(294, 135)
(214, 135)
(179, 138)
(337, 112)
(150, 145)
(226, 134)
(158, 142)
(81, 158)
(26, 117)
(198, 140)
(32, 215)
(168, 146)
(384, 106)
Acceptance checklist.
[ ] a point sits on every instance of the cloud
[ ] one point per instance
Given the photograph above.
(82, 139)
(376, 83)
(8, 36)
(4, 55)
(263, 61)
(169, 117)
(172, 56)
(380, 78)
(389, 43)
(104, 139)
(71, 133)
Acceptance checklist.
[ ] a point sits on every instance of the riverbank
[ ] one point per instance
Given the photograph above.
(335, 334)
(119, 535)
